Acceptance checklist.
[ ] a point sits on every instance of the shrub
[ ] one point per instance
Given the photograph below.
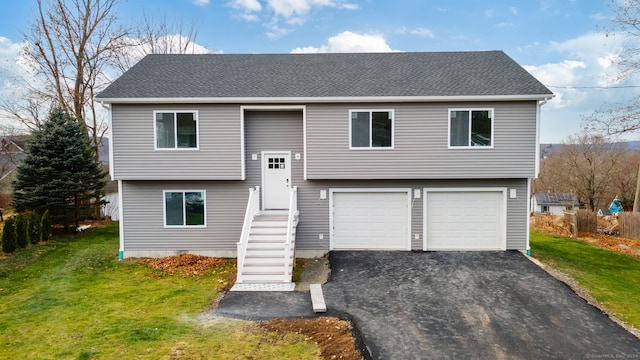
(34, 227)
(9, 244)
(45, 226)
(22, 238)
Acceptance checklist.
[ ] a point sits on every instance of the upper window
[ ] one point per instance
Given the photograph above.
(471, 128)
(176, 129)
(371, 129)
(184, 208)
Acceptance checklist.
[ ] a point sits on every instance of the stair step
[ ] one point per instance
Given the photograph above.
(265, 242)
(263, 277)
(272, 223)
(273, 237)
(272, 217)
(265, 260)
(252, 280)
(261, 269)
(268, 231)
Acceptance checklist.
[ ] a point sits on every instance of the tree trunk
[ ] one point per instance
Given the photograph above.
(636, 200)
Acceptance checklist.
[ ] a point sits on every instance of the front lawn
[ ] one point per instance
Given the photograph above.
(72, 299)
(610, 277)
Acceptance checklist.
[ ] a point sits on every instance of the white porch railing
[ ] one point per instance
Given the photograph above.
(253, 207)
(291, 226)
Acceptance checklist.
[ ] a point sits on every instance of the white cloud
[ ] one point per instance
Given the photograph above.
(349, 6)
(513, 10)
(503, 24)
(584, 79)
(295, 8)
(200, 2)
(246, 5)
(419, 31)
(348, 41)
(564, 75)
(279, 16)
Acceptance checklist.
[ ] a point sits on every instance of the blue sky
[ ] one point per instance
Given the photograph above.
(559, 41)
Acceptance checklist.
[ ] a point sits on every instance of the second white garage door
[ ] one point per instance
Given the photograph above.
(464, 220)
(370, 221)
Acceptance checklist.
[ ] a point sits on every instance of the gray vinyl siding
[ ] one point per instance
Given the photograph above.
(421, 144)
(226, 201)
(218, 156)
(273, 131)
(143, 219)
(314, 213)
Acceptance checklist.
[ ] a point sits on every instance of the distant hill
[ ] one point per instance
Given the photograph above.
(549, 149)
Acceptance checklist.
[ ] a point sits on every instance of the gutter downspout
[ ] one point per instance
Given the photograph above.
(120, 207)
(528, 218)
(120, 221)
(537, 170)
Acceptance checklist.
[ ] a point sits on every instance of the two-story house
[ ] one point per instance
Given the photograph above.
(247, 155)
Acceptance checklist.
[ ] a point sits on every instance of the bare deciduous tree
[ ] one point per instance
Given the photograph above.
(585, 165)
(160, 36)
(622, 118)
(71, 43)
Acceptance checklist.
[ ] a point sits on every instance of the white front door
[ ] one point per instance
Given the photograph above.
(276, 180)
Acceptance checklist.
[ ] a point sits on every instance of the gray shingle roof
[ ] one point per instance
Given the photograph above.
(556, 199)
(424, 74)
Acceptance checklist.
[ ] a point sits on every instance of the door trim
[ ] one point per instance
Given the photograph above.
(406, 191)
(263, 175)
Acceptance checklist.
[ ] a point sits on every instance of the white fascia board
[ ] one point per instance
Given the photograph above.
(336, 99)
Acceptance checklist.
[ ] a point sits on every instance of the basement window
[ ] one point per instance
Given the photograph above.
(184, 208)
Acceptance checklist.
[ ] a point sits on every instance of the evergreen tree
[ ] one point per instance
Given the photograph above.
(34, 227)
(45, 226)
(9, 244)
(21, 231)
(59, 172)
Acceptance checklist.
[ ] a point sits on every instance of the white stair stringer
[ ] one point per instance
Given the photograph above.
(264, 260)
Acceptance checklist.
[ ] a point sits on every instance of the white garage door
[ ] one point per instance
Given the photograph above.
(370, 220)
(464, 220)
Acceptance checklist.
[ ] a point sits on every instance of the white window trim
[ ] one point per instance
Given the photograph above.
(493, 121)
(393, 130)
(184, 214)
(175, 119)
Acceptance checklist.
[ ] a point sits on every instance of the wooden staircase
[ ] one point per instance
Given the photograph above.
(265, 258)
(264, 261)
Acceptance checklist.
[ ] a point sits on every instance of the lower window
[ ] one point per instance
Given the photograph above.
(184, 208)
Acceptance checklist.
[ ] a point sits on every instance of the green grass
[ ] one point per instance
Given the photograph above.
(612, 278)
(71, 299)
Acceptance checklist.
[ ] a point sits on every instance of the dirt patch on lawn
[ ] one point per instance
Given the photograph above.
(556, 225)
(332, 335)
(614, 243)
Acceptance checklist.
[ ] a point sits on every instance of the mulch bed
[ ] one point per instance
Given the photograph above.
(187, 265)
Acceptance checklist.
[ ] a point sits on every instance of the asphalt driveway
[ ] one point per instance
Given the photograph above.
(452, 305)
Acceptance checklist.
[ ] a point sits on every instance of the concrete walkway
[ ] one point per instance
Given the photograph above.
(452, 305)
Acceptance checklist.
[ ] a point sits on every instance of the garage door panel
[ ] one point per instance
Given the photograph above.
(464, 220)
(370, 220)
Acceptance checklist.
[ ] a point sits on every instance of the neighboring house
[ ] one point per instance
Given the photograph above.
(554, 204)
(393, 151)
(11, 153)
